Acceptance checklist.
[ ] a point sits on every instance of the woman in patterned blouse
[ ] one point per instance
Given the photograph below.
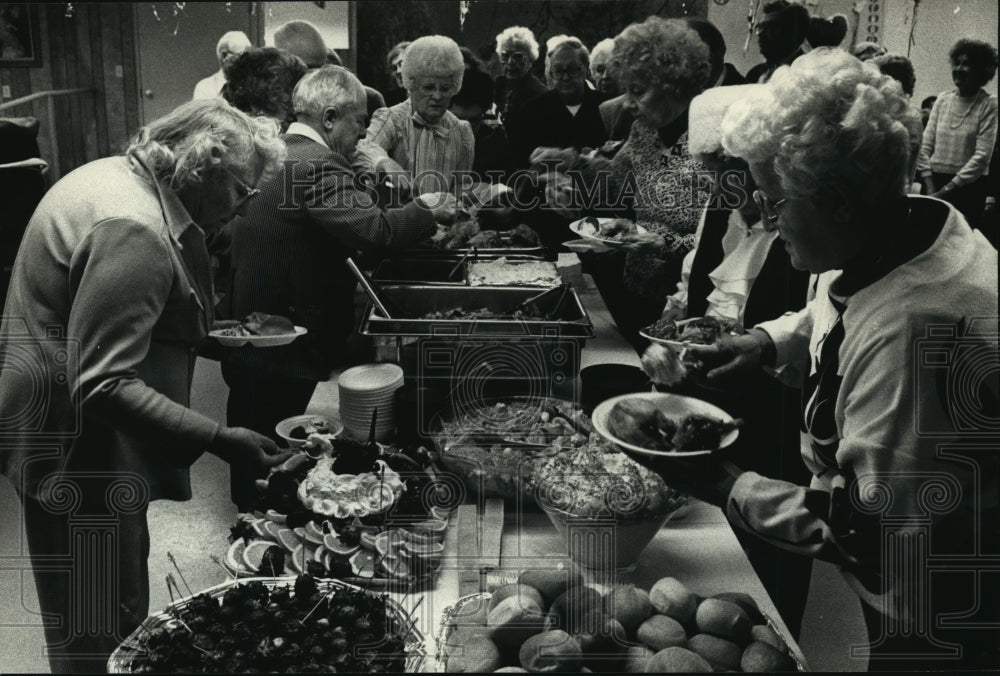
(420, 138)
(661, 65)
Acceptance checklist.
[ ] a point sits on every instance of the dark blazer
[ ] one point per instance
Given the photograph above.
(511, 96)
(545, 121)
(617, 119)
(288, 255)
(769, 440)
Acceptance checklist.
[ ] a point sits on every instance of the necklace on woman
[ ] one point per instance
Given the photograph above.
(961, 121)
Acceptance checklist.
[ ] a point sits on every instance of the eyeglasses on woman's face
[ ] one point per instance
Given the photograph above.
(246, 192)
(768, 208)
(512, 56)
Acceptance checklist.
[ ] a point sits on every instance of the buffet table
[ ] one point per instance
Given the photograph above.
(699, 548)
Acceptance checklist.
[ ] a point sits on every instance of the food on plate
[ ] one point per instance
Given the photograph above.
(466, 233)
(670, 368)
(597, 480)
(285, 629)
(582, 629)
(501, 272)
(351, 511)
(311, 426)
(640, 423)
(615, 229)
(698, 331)
(523, 237)
(257, 324)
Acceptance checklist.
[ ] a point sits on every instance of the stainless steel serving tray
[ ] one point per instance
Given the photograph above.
(419, 300)
(426, 271)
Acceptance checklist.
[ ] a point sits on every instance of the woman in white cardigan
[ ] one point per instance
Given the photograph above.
(900, 392)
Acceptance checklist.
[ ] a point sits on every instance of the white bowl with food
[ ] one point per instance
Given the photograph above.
(296, 430)
(659, 423)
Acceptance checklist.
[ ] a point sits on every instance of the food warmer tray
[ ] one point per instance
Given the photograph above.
(418, 300)
(426, 271)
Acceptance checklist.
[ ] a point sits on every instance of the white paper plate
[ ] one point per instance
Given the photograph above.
(675, 407)
(371, 378)
(257, 341)
(585, 230)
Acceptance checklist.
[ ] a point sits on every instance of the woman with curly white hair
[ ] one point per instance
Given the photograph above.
(517, 50)
(110, 295)
(906, 313)
(424, 142)
(661, 64)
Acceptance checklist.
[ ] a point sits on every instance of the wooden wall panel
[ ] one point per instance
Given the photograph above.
(84, 50)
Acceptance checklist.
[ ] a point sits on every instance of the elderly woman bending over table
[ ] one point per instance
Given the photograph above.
(903, 479)
(420, 139)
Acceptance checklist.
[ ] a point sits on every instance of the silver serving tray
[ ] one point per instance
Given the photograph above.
(418, 300)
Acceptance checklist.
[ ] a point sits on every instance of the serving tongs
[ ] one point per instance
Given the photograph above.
(562, 290)
(370, 287)
(474, 252)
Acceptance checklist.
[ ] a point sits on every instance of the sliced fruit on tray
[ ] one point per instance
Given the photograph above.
(368, 540)
(389, 541)
(254, 552)
(274, 516)
(338, 546)
(258, 527)
(395, 566)
(435, 527)
(363, 563)
(234, 557)
(272, 530)
(289, 539)
(440, 513)
(427, 550)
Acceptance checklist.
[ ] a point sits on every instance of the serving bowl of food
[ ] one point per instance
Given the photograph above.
(659, 423)
(606, 506)
(491, 448)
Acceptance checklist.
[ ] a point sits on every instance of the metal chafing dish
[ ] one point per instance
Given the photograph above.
(412, 302)
(438, 271)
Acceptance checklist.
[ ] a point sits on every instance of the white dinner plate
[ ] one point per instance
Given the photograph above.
(678, 345)
(675, 407)
(585, 229)
(257, 341)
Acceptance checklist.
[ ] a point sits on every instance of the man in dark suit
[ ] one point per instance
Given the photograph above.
(565, 116)
(288, 254)
(780, 34)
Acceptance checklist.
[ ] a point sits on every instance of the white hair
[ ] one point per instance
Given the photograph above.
(602, 48)
(561, 42)
(518, 36)
(234, 42)
(433, 55)
(324, 87)
(835, 129)
(188, 145)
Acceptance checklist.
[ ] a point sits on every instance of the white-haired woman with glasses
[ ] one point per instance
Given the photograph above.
(517, 51)
(110, 295)
(420, 139)
(901, 348)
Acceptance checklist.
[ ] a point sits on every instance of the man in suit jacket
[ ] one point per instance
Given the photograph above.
(288, 253)
(566, 115)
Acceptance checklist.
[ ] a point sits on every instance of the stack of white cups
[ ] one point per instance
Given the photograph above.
(364, 389)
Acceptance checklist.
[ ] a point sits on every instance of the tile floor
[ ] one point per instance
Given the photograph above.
(193, 531)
